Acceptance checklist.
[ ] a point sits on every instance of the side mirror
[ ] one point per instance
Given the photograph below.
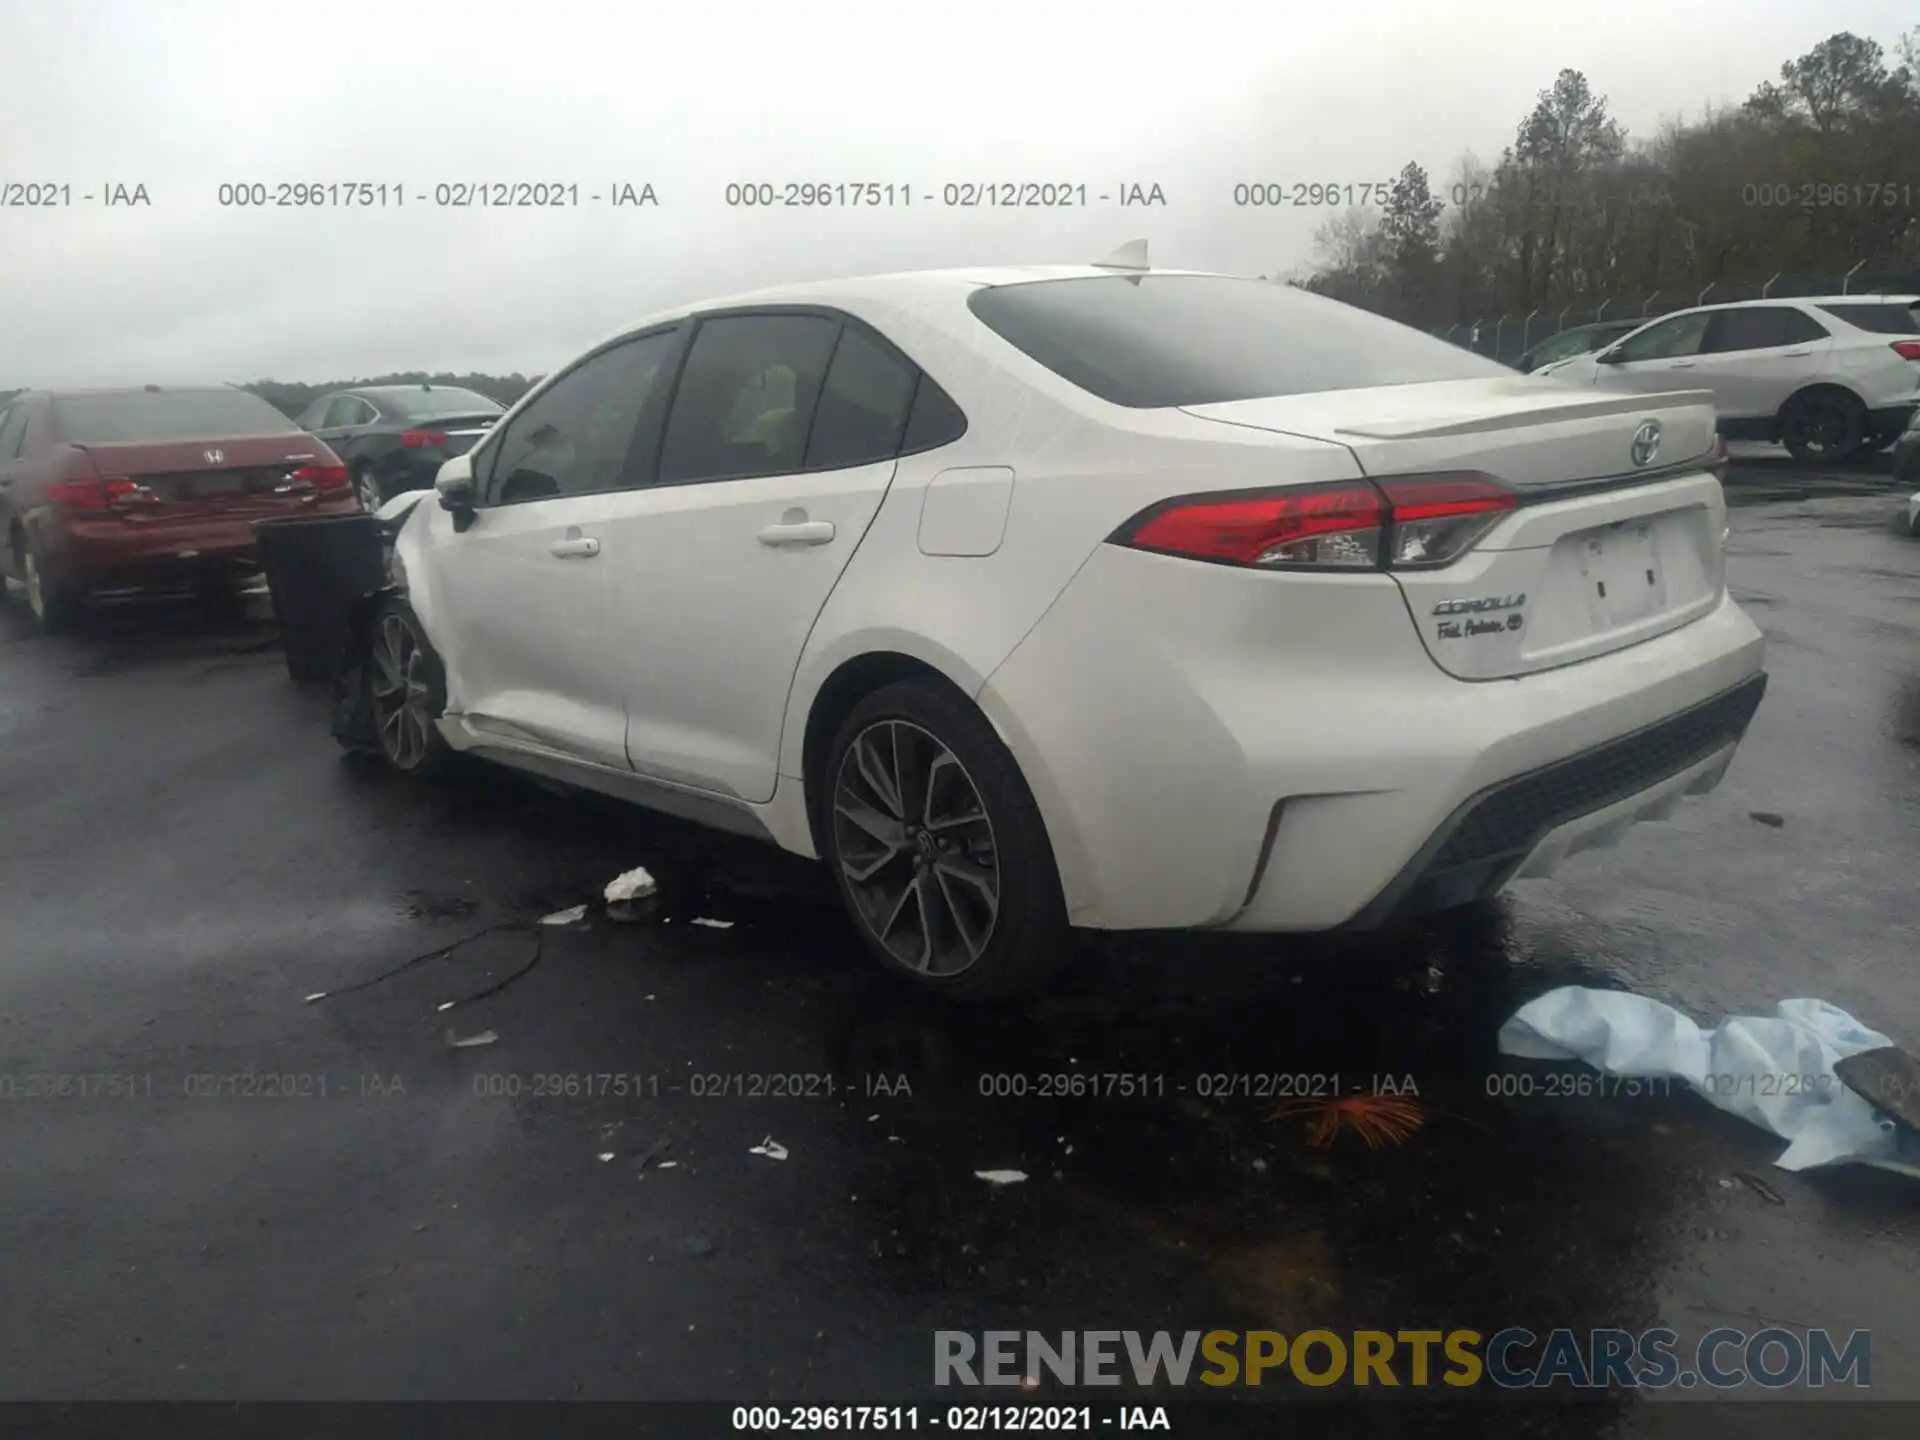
(1609, 357)
(454, 486)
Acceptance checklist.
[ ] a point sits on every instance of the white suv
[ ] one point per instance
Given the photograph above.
(1830, 377)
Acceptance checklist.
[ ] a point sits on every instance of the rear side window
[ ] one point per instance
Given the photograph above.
(935, 420)
(863, 405)
(746, 397)
(1880, 319)
(1147, 341)
(138, 415)
(1761, 327)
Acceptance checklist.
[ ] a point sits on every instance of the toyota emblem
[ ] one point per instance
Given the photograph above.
(216, 457)
(1646, 443)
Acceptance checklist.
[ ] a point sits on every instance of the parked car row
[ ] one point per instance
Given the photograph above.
(160, 487)
(112, 490)
(1830, 377)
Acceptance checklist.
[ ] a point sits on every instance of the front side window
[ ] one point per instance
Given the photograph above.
(746, 398)
(1670, 339)
(576, 438)
(13, 422)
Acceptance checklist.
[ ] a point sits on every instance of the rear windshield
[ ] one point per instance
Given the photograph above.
(423, 404)
(166, 415)
(1883, 319)
(1155, 340)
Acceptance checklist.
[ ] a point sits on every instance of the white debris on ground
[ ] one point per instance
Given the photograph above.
(565, 917)
(1001, 1177)
(712, 924)
(769, 1147)
(635, 884)
(468, 1042)
(605, 1156)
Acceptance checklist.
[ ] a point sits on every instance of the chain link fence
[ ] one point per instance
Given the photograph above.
(1508, 337)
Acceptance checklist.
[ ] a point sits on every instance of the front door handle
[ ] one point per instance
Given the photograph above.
(1796, 352)
(1681, 365)
(581, 549)
(798, 532)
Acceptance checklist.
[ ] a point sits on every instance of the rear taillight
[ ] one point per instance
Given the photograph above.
(1409, 522)
(322, 477)
(1438, 518)
(1907, 349)
(1323, 526)
(420, 439)
(78, 494)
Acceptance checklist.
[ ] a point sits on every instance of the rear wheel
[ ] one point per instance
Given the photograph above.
(367, 488)
(406, 692)
(938, 847)
(1823, 425)
(55, 607)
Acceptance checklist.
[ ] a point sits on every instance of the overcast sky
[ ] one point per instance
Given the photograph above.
(182, 97)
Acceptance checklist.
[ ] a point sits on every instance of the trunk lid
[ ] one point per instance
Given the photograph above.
(463, 432)
(239, 477)
(1608, 547)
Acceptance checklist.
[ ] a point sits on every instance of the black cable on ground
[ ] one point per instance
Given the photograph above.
(539, 948)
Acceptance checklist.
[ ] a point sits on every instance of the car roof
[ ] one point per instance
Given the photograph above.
(1907, 300)
(392, 390)
(104, 390)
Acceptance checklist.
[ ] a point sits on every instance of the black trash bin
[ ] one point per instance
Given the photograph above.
(317, 567)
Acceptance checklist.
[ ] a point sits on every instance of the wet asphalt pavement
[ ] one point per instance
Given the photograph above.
(186, 855)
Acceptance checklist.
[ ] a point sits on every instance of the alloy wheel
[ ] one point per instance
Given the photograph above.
(36, 592)
(1825, 428)
(402, 699)
(368, 492)
(916, 847)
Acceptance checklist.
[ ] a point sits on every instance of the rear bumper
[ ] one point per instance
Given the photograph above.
(1906, 458)
(1245, 751)
(109, 552)
(404, 470)
(1526, 825)
(1889, 420)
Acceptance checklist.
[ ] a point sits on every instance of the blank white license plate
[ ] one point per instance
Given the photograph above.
(1622, 569)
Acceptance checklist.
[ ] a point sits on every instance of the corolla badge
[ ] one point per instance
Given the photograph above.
(216, 457)
(1646, 443)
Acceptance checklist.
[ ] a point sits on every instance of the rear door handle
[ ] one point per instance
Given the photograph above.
(798, 532)
(1681, 365)
(584, 549)
(1796, 352)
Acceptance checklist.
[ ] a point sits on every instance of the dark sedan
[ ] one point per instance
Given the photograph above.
(395, 437)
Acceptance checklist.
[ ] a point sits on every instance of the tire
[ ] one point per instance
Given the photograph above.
(406, 693)
(367, 489)
(997, 922)
(55, 608)
(1823, 425)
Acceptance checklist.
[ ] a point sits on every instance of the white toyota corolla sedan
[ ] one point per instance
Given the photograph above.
(1032, 600)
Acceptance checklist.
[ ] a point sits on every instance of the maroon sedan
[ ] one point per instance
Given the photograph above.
(113, 490)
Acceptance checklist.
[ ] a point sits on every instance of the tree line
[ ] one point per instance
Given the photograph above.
(292, 398)
(1811, 176)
